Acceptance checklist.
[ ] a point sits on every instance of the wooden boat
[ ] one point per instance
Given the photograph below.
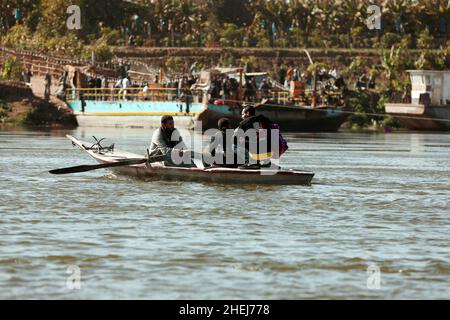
(158, 171)
(291, 118)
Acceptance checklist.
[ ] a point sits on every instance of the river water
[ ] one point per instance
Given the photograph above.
(379, 202)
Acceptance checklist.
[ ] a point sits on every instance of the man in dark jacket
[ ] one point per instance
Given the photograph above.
(222, 142)
(265, 89)
(218, 141)
(256, 141)
(91, 86)
(249, 91)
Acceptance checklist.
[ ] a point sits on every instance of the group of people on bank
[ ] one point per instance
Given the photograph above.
(248, 146)
(224, 87)
(105, 89)
(227, 88)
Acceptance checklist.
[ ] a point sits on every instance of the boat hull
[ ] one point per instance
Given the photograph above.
(420, 117)
(217, 175)
(133, 114)
(158, 171)
(290, 118)
(117, 121)
(147, 114)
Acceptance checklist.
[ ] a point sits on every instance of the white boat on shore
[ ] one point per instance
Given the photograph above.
(158, 171)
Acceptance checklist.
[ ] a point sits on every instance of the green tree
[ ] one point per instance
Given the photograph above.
(18, 37)
(304, 18)
(29, 10)
(425, 40)
(12, 69)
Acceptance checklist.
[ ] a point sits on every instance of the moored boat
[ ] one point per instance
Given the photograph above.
(290, 117)
(295, 110)
(158, 171)
(429, 108)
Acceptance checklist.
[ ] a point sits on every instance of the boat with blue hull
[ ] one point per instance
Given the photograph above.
(139, 114)
(295, 110)
(146, 114)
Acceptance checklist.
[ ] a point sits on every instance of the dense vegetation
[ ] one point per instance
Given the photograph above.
(406, 25)
(237, 23)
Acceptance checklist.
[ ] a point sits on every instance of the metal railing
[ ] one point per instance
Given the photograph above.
(133, 94)
(278, 97)
(41, 64)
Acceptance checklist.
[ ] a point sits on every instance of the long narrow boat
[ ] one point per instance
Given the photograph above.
(158, 171)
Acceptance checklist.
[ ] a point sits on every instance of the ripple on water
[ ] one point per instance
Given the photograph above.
(377, 200)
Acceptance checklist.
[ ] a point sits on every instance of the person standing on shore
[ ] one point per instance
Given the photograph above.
(47, 85)
(282, 74)
(125, 85)
(62, 86)
(91, 86)
(118, 89)
(98, 86)
(27, 77)
(105, 87)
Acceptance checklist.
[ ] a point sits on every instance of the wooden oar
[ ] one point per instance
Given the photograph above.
(86, 168)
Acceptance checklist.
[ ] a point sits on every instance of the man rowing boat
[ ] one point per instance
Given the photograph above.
(168, 141)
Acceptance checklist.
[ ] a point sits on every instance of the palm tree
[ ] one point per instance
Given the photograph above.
(188, 18)
(326, 15)
(303, 16)
(426, 13)
(189, 15)
(398, 15)
(444, 12)
(6, 14)
(352, 13)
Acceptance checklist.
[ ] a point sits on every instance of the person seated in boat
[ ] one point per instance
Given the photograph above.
(265, 89)
(220, 143)
(252, 141)
(167, 141)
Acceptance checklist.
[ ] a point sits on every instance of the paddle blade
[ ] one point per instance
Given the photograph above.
(86, 168)
(76, 169)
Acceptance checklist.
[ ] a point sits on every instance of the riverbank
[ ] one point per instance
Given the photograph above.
(19, 106)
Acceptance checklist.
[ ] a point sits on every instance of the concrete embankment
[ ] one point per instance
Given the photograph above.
(19, 106)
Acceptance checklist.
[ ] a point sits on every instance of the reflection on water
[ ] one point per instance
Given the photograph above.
(377, 200)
